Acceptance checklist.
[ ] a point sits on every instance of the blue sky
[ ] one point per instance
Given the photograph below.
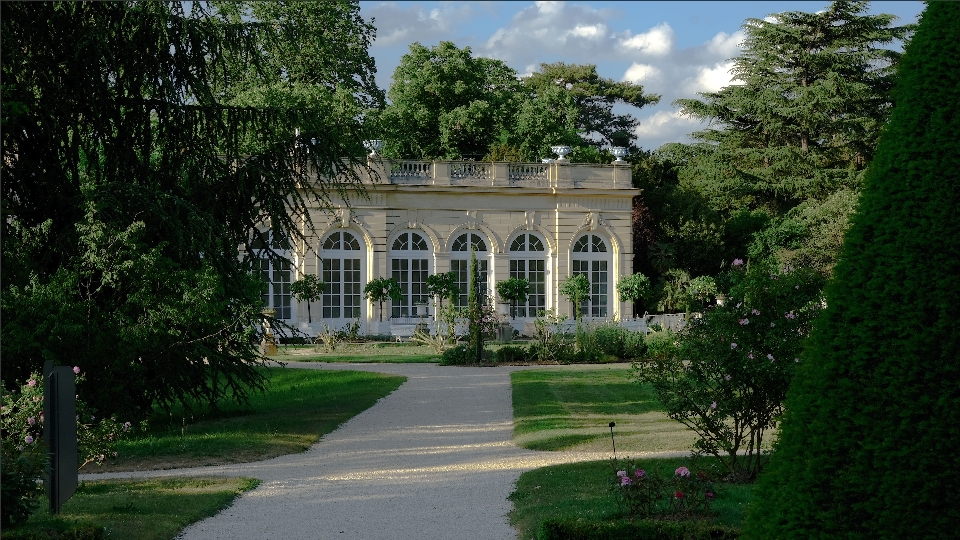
(675, 49)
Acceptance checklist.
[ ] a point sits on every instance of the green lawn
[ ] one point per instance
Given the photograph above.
(152, 509)
(583, 491)
(300, 406)
(571, 409)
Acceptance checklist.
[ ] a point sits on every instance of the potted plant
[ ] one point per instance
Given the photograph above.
(633, 288)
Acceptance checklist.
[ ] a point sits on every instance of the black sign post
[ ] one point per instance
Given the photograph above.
(60, 432)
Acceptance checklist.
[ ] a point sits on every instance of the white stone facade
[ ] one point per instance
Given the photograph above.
(540, 221)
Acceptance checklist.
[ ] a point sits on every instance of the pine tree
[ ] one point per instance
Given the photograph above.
(868, 442)
(802, 121)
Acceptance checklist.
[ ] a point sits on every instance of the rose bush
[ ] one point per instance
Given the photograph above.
(727, 374)
(23, 453)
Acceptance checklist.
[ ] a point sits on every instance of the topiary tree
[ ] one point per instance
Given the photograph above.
(870, 431)
(513, 291)
(577, 289)
(308, 289)
(442, 286)
(633, 287)
(380, 289)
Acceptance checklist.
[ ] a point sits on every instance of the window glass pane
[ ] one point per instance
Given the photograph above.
(418, 242)
(535, 244)
(400, 244)
(350, 242)
(581, 245)
(599, 245)
(518, 243)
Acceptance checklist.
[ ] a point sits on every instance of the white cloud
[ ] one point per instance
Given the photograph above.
(657, 41)
(404, 24)
(710, 79)
(641, 73)
(595, 31)
(664, 126)
(726, 45)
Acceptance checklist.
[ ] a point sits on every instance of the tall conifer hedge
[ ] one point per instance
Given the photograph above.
(870, 440)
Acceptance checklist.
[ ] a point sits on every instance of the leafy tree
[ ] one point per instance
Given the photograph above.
(514, 291)
(442, 286)
(871, 417)
(805, 120)
(447, 104)
(129, 180)
(594, 97)
(577, 289)
(308, 289)
(380, 290)
(633, 287)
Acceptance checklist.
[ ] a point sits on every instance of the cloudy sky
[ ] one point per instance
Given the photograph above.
(674, 49)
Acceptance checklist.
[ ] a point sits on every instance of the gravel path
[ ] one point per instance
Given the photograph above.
(433, 460)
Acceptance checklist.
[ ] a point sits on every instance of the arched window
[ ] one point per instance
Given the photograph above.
(460, 263)
(591, 258)
(340, 256)
(275, 271)
(527, 261)
(410, 266)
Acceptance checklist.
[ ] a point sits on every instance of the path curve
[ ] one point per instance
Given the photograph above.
(431, 461)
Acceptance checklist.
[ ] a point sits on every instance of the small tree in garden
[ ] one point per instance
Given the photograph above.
(513, 291)
(700, 289)
(382, 289)
(442, 286)
(727, 377)
(308, 289)
(868, 443)
(633, 287)
(577, 289)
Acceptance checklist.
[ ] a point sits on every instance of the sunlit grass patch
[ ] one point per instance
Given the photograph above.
(149, 509)
(571, 409)
(298, 408)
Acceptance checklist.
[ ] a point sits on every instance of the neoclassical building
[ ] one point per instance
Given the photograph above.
(538, 221)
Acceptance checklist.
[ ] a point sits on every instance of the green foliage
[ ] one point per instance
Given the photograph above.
(574, 529)
(728, 375)
(463, 355)
(308, 289)
(805, 121)
(513, 291)
(593, 97)
(577, 289)
(633, 287)
(380, 290)
(447, 104)
(510, 354)
(442, 286)
(550, 345)
(613, 340)
(873, 412)
(132, 171)
(647, 493)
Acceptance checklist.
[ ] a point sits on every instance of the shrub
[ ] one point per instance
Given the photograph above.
(727, 375)
(645, 493)
(462, 355)
(867, 445)
(568, 529)
(619, 342)
(511, 354)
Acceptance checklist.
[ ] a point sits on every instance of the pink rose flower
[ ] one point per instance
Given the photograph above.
(639, 473)
(625, 481)
(28, 439)
(682, 471)
(31, 383)
(76, 369)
